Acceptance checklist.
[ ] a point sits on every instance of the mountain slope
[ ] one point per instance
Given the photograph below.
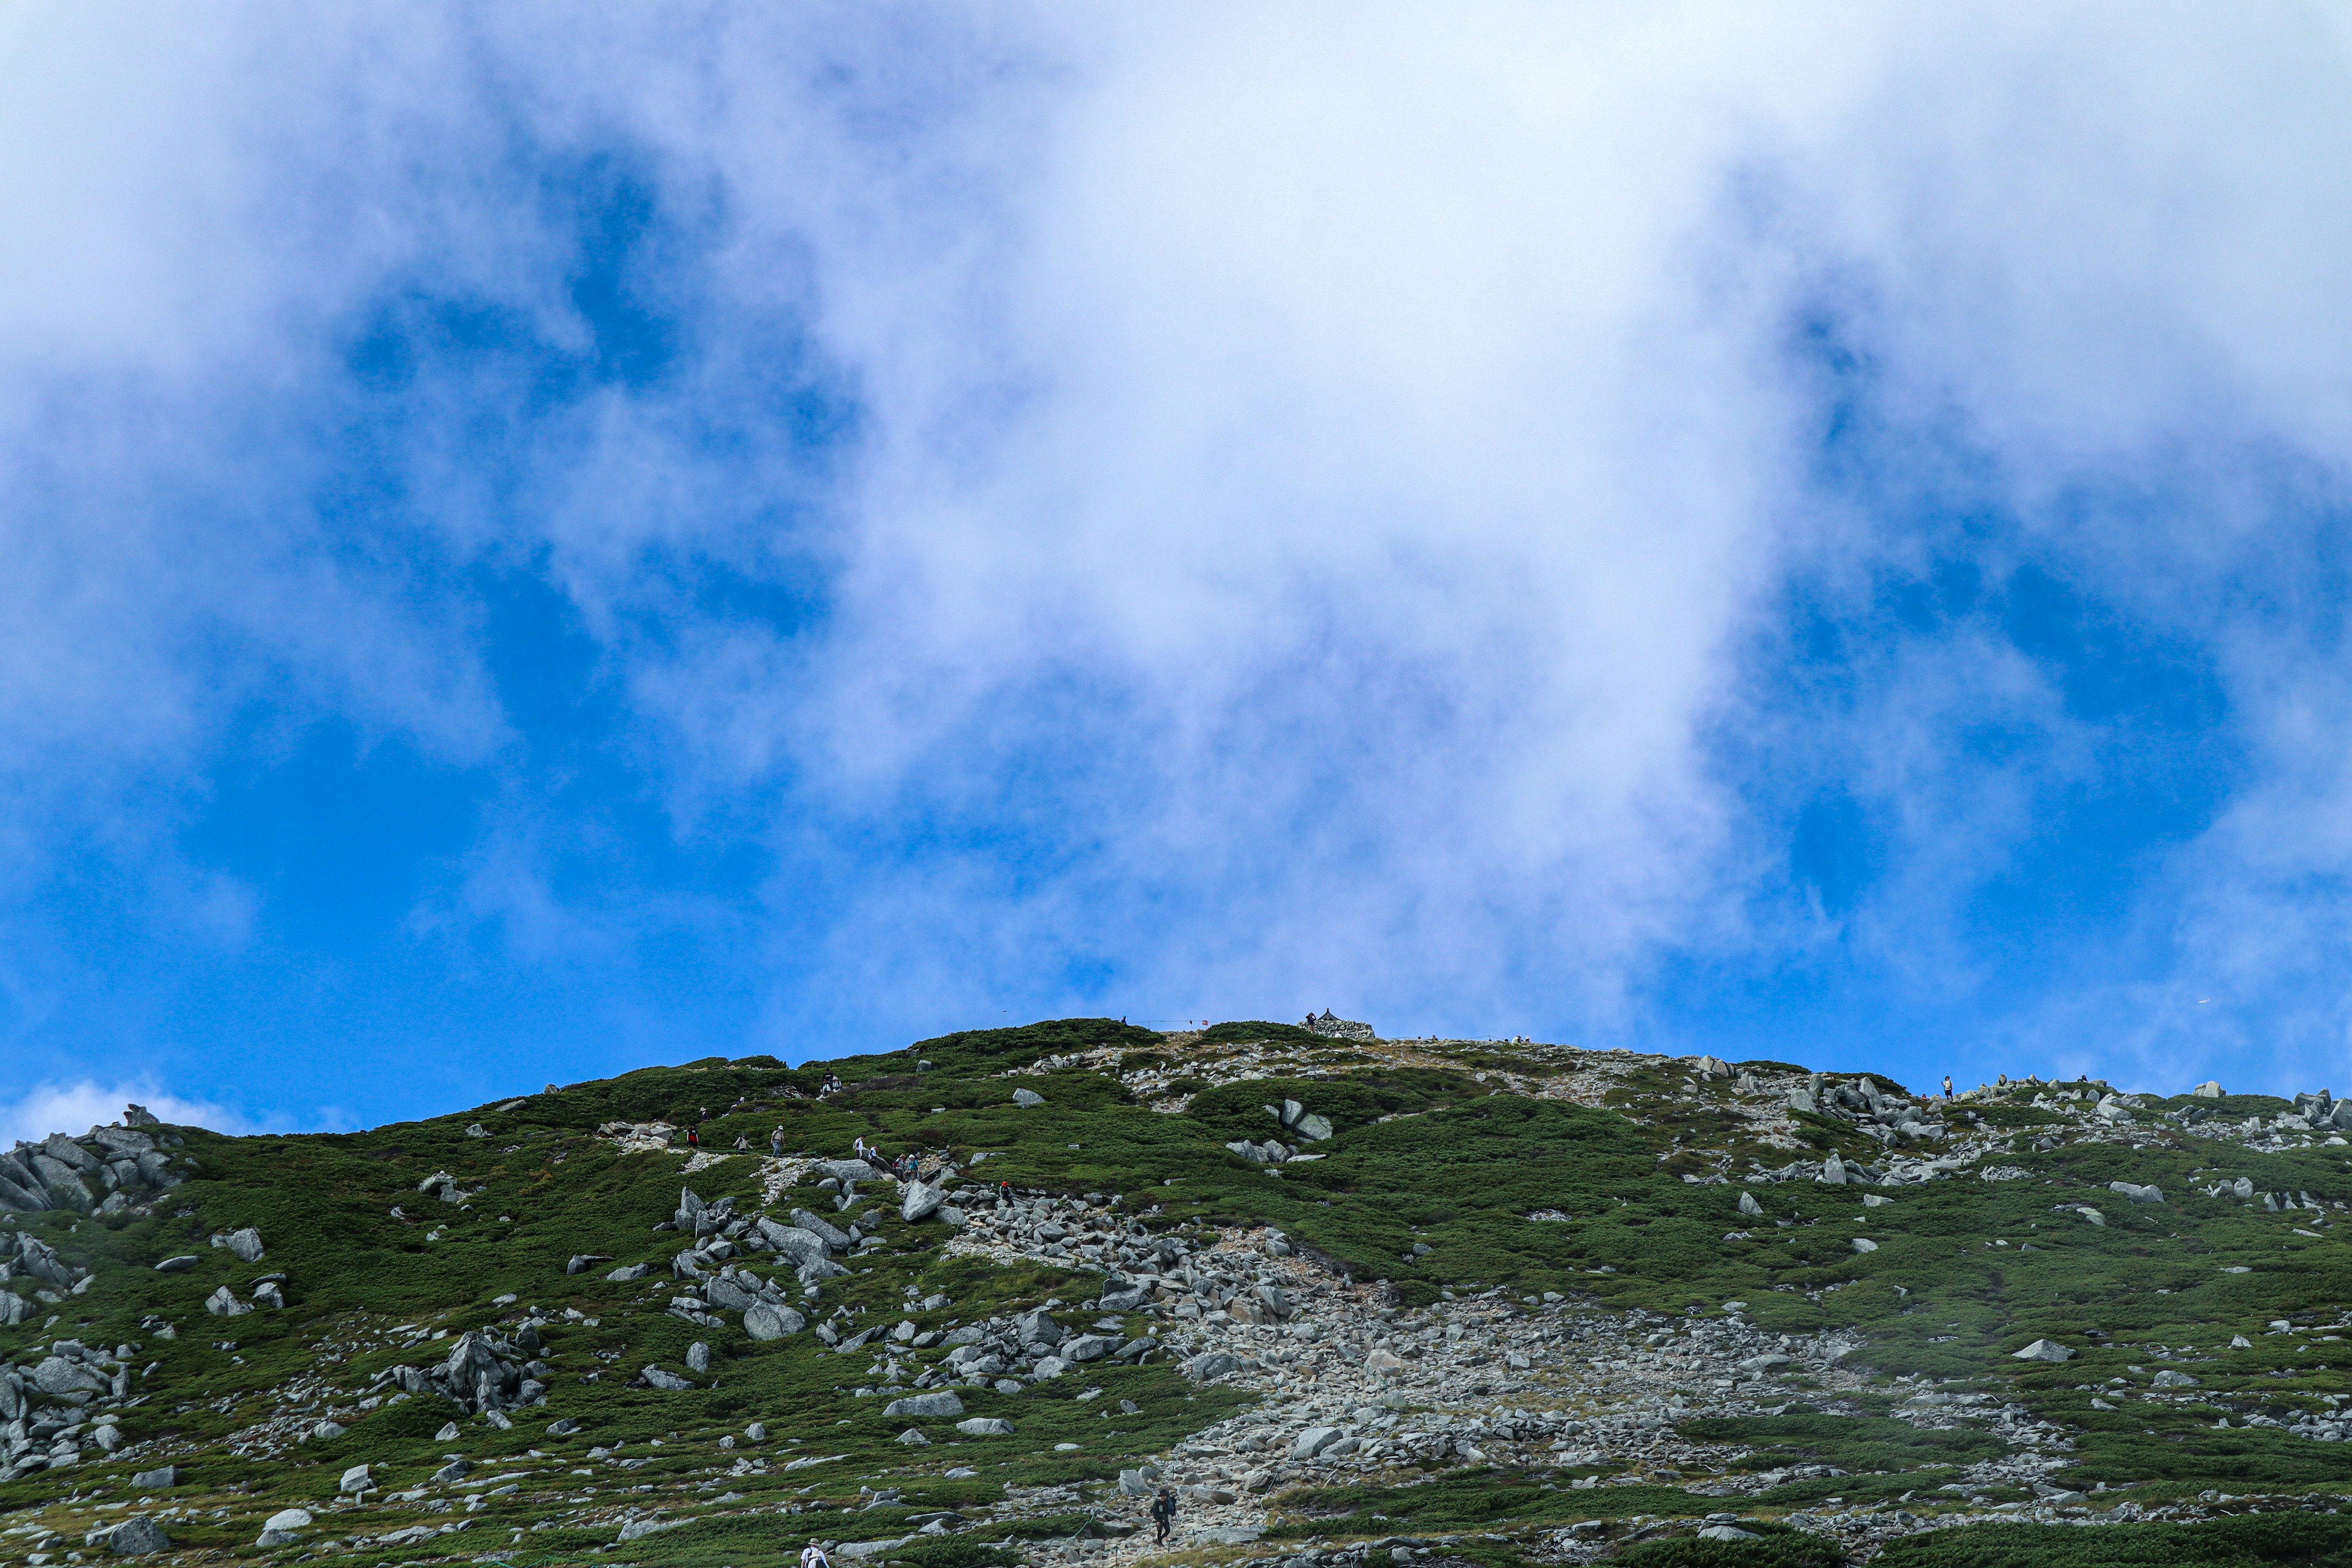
(1468, 1300)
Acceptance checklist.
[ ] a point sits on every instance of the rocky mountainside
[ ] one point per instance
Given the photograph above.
(1349, 1301)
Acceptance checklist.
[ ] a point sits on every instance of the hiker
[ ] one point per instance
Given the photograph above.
(1163, 1516)
(694, 1136)
(776, 1143)
(812, 1556)
(1948, 1086)
(860, 1145)
(742, 1140)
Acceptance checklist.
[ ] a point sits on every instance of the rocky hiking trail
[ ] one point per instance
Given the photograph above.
(1352, 1300)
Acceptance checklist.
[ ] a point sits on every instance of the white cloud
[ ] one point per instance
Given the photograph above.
(75, 1107)
(1320, 474)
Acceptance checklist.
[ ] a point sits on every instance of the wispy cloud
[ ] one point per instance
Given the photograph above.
(75, 1107)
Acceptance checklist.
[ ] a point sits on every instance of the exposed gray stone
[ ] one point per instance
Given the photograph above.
(2043, 1350)
(921, 1201)
(669, 1382)
(764, 1321)
(57, 1375)
(822, 1229)
(160, 1480)
(985, 1426)
(1026, 1097)
(179, 1265)
(1313, 1441)
(934, 1405)
(1211, 1365)
(355, 1480)
(139, 1537)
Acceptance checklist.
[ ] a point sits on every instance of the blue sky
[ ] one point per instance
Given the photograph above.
(539, 544)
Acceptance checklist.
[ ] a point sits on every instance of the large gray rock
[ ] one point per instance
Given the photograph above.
(638, 1529)
(765, 1320)
(1833, 1170)
(985, 1426)
(697, 1359)
(2209, 1089)
(627, 1273)
(935, 1404)
(57, 1375)
(1314, 1126)
(223, 1303)
(1123, 1295)
(2043, 1350)
(355, 1480)
(141, 1537)
(179, 1265)
(1212, 1364)
(57, 1178)
(728, 1296)
(845, 1170)
(793, 1242)
(1748, 1206)
(162, 1479)
(1026, 1097)
(669, 1382)
(2169, 1378)
(1089, 1347)
(820, 1227)
(245, 1243)
(2137, 1192)
(289, 1520)
(1313, 1441)
(68, 1152)
(921, 1201)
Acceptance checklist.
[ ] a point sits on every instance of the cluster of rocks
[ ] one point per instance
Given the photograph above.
(106, 1171)
(1875, 1112)
(44, 1422)
(1087, 1232)
(1003, 1352)
(1294, 1119)
(52, 1279)
(483, 1374)
(1336, 1028)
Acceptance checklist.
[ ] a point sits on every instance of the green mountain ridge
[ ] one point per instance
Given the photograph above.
(1352, 1300)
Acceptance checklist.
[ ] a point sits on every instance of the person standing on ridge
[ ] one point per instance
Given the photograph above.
(1163, 1516)
(1948, 1086)
(776, 1143)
